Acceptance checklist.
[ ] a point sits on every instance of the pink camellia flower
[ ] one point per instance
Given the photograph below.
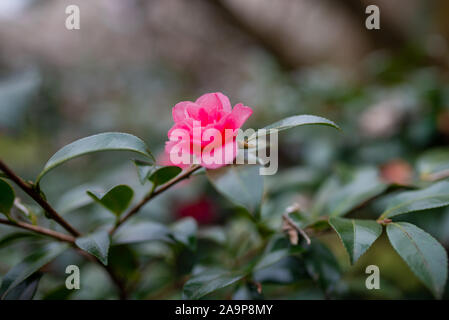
(205, 131)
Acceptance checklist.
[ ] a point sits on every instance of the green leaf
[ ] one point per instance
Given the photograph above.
(158, 175)
(96, 244)
(423, 254)
(161, 175)
(144, 170)
(357, 235)
(322, 266)
(270, 258)
(206, 281)
(12, 237)
(435, 196)
(115, 200)
(362, 186)
(26, 289)
(434, 164)
(185, 232)
(110, 141)
(141, 232)
(295, 121)
(241, 184)
(29, 266)
(7, 197)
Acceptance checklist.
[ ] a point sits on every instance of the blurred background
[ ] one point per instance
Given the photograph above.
(132, 61)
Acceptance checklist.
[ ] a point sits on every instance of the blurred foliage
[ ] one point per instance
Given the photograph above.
(394, 116)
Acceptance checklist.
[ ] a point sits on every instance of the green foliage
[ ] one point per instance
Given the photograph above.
(362, 185)
(423, 254)
(115, 200)
(160, 175)
(96, 244)
(205, 281)
(141, 232)
(29, 266)
(295, 121)
(242, 185)
(357, 235)
(240, 257)
(437, 195)
(322, 266)
(111, 141)
(7, 197)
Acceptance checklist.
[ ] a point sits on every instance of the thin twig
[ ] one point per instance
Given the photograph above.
(298, 229)
(37, 197)
(153, 194)
(37, 229)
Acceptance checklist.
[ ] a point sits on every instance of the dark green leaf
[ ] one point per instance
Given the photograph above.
(115, 200)
(6, 197)
(30, 265)
(322, 266)
(295, 121)
(12, 237)
(435, 196)
(141, 232)
(207, 281)
(96, 244)
(271, 258)
(241, 184)
(357, 235)
(110, 141)
(362, 186)
(26, 289)
(161, 175)
(424, 255)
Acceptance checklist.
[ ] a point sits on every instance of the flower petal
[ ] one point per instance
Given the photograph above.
(181, 111)
(238, 116)
(214, 102)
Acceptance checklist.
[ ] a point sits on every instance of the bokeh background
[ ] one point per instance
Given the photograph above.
(132, 60)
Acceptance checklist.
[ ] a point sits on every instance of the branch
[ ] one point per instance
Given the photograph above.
(41, 230)
(38, 198)
(54, 234)
(259, 37)
(153, 194)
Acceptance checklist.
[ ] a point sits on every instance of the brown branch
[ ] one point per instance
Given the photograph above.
(37, 229)
(38, 198)
(153, 194)
(120, 284)
(259, 37)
